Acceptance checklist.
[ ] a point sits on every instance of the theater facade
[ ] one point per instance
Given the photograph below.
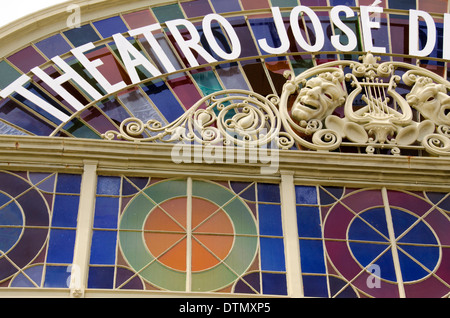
(226, 148)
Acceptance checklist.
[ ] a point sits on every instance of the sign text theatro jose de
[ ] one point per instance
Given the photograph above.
(132, 58)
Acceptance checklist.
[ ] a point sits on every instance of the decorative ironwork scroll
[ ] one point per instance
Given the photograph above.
(365, 104)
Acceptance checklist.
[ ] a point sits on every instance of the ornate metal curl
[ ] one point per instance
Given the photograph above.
(319, 111)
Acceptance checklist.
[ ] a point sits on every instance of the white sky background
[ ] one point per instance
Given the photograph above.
(15, 9)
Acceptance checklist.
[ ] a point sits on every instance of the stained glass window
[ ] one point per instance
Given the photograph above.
(363, 243)
(152, 234)
(38, 221)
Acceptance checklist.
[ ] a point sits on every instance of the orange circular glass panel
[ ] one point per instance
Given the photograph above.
(212, 234)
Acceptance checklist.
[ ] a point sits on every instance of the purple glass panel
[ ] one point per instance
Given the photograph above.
(337, 222)
(363, 200)
(186, 91)
(409, 202)
(440, 225)
(54, 46)
(386, 290)
(197, 8)
(340, 256)
(226, 6)
(428, 288)
(97, 120)
(27, 59)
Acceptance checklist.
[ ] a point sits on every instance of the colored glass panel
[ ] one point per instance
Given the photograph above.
(9, 74)
(139, 19)
(26, 59)
(196, 8)
(167, 13)
(164, 100)
(54, 46)
(82, 35)
(221, 6)
(110, 26)
(33, 219)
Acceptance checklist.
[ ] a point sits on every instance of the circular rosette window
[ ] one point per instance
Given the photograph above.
(171, 238)
(24, 224)
(364, 242)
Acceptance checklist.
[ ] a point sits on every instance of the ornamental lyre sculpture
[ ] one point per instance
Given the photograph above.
(364, 104)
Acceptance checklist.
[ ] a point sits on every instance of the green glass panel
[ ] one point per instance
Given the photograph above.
(161, 276)
(241, 217)
(80, 130)
(242, 254)
(163, 191)
(8, 74)
(284, 3)
(212, 279)
(207, 82)
(166, 13)
(136, 212)
(215, 193)
(134, 250)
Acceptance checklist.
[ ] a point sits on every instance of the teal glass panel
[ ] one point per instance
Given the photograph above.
(167, 13)
(80, 130)
(402, 4)
(8, 74)
(284, 3)
(208, 83)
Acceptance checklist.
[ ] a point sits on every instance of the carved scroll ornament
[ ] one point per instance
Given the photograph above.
(390, 105)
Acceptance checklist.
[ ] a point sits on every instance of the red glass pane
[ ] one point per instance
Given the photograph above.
(139, 19)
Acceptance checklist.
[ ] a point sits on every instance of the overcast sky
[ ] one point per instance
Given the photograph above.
(15, 9)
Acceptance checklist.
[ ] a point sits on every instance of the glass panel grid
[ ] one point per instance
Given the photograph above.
(151, 234)
(346, 244)
(38, 221)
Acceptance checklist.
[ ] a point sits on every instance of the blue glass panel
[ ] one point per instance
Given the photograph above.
(68, 183)
(306, 195)
(164, 100)
(226, 6)
(421, 234)
(272, 254)
(410, 269)
(106, 211)
(6, 129)
(268, 192)
(65, 211)
(375, 220)
(32, 88)
(82, 35)
(54, 46)
(329, 195)
(265, 29)
(108, 185)
(101, 277)
(270, 220)
(103, 249)
(34, 273)
(336, 285)
(426, 255)
(312, 256)
(61, 246)
(110, 26)
(348, 3)
(366, 253)
(57, 276)
(308, 221)
(139, 106)
(274, 284)
(114, 110)
(315, 286)
(15, 114)
(402, 4)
